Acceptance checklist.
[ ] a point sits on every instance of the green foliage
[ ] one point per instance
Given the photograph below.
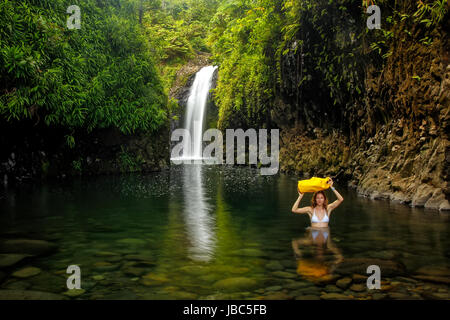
(99, 76)
(128, 162)
(176, 32)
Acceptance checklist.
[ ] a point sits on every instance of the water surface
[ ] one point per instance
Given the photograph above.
(218, 232)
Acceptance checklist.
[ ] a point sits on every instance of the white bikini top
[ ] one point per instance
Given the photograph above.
(316, 219)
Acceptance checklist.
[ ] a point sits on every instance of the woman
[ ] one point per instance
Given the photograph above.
(319, 211)
(318, 235)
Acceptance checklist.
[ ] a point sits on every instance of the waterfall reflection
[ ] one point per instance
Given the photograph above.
(199, 222)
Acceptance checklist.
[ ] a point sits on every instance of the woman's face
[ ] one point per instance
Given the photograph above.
(320, 199)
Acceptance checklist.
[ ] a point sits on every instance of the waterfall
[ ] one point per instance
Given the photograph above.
(196, 105)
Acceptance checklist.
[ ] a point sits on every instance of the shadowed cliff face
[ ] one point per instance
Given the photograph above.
(394, 142)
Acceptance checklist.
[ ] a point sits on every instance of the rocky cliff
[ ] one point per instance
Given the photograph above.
(394, 143)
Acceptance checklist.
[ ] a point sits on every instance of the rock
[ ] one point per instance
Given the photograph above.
(274, 265)
(194, 270)
(433, 270)
(138, 257)
(104, 266)
(106, 254)
(332, 289)
(153, 279)
(398, 296)
(132, 242)
(298, 284)
(359, 266)
(358, 287)
(437, 274)
(17, 285)
(181, 295)
(357, 278)
(274, 288)
(423, 193)
(131, 271)
(73, 293)
(307, 297)
(378, 296)
(436, 200)
(29, 295)
(436, 295)
(250, 252)
(46, 280)
(434, 279)
(283, 274)
(235, 284)
(333, 296)
(323, 280)
(26, 272)
(344, 282)
(277, 296)
(27, 246)
(10, 259)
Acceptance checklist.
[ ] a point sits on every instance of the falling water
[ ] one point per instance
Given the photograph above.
(196, 106)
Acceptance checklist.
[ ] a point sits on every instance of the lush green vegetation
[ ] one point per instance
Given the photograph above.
(260, 46)
(117, 69)
(99, 76)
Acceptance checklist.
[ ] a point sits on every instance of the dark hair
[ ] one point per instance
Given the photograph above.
(325, 202)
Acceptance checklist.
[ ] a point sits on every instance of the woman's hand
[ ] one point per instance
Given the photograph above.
(330, 182)
(300, 193)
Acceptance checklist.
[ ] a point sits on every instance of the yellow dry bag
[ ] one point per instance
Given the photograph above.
(313, 185)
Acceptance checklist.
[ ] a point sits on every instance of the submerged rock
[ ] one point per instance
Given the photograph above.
(307, 297)
(29, 295)
(359, 265)
(27, 246)
(283, 274)
(10, 259)
(344, 282)
(278, 296)
(437, 274)
(132, 241)
(274, 265)
(250, 252)
(27, 272)
(237, 283)
(153, 279)
(74, 293)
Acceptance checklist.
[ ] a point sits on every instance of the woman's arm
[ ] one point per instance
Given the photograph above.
(295, 208)
(339, 200)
